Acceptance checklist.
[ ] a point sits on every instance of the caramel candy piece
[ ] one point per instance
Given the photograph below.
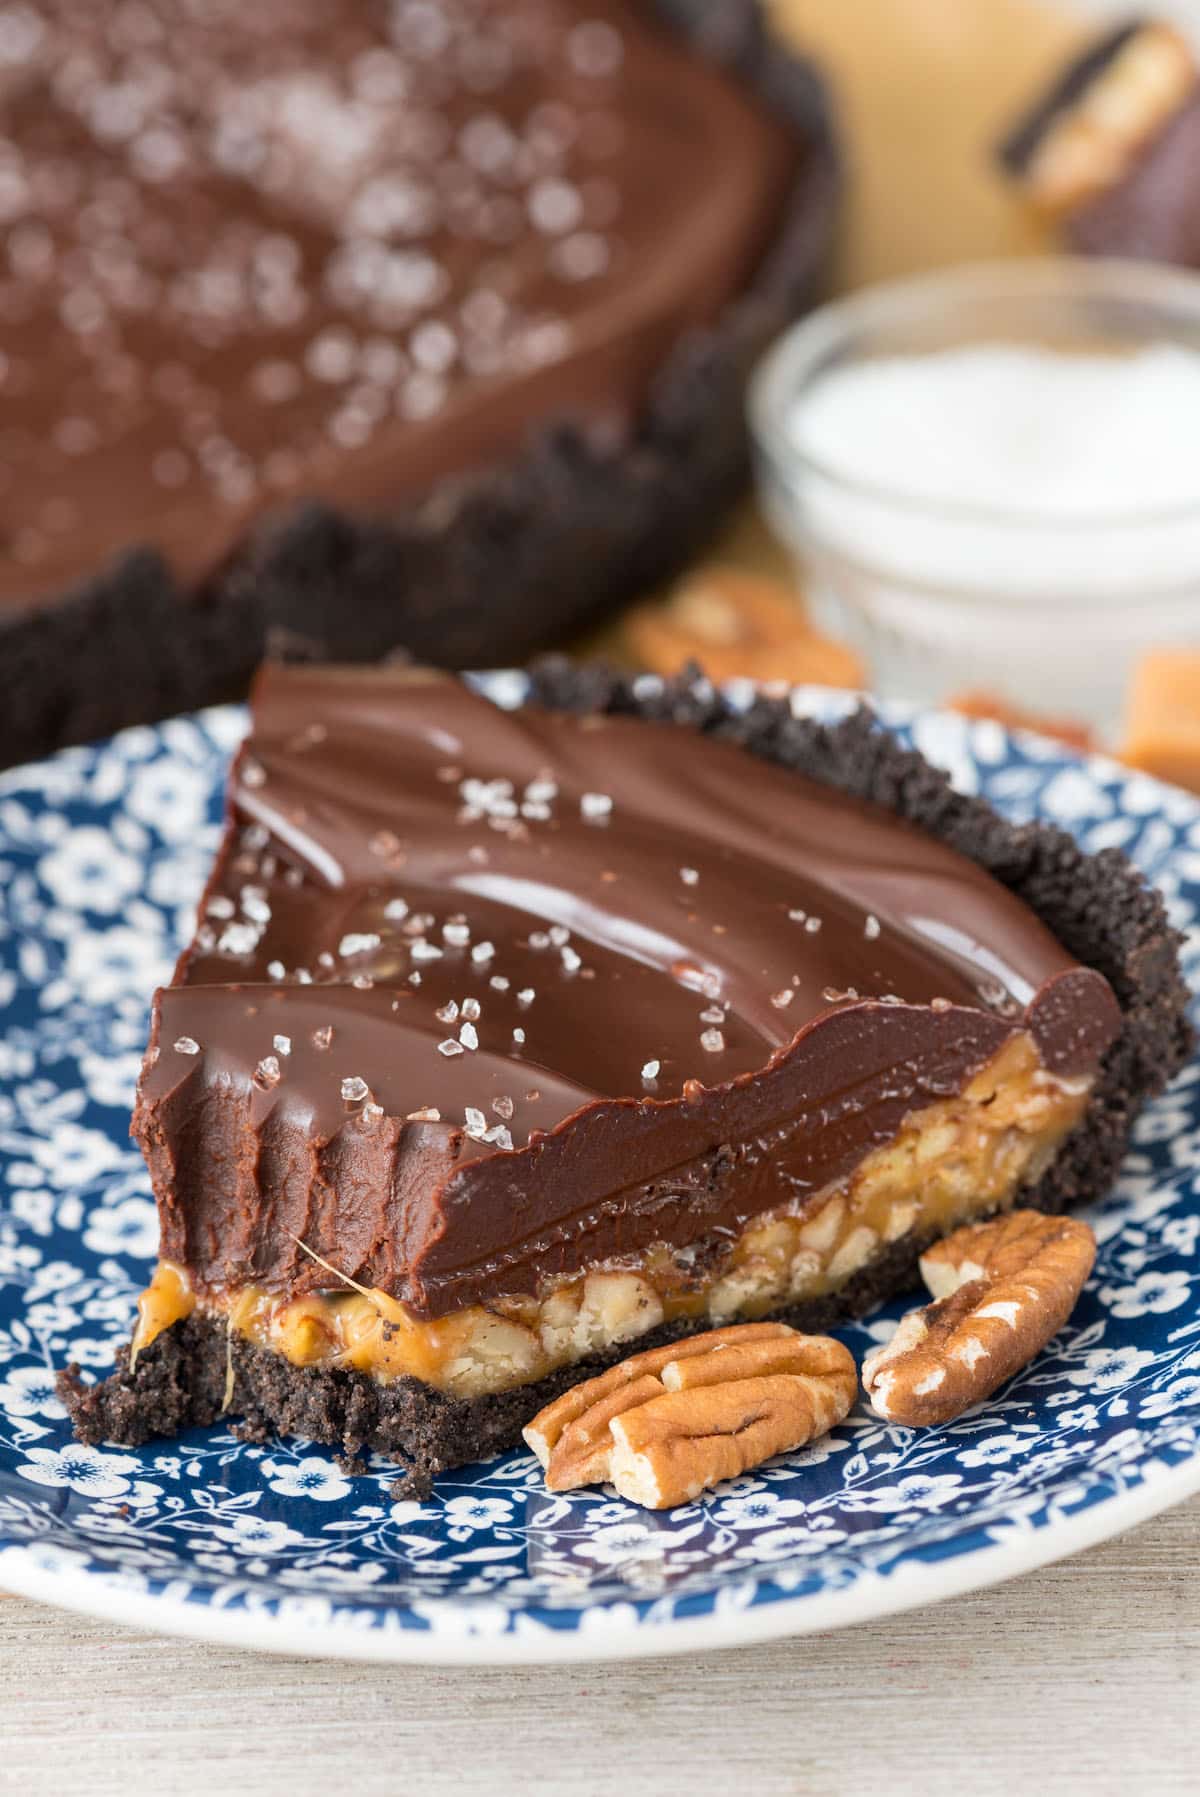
(739, 625)
(1106, 157)
(1162, 717)
(1085, 135)
(978, 704)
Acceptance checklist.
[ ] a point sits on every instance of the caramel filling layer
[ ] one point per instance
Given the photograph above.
(957, 1159)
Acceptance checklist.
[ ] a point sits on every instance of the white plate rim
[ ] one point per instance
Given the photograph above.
(782, 1618)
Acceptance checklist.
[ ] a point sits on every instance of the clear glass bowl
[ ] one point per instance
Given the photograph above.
(1046, 609)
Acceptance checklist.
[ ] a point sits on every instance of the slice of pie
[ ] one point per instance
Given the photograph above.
(509, 1038)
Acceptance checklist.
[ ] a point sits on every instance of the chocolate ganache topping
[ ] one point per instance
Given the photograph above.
(480, 997)
(339, 248)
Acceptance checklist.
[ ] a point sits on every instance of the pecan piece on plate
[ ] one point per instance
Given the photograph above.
(1001, 1290)
(666, 1424)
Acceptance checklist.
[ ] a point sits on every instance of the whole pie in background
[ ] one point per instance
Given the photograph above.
(365, 327)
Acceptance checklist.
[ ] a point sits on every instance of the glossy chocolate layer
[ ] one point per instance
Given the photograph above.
(257, 252)
(480, 997)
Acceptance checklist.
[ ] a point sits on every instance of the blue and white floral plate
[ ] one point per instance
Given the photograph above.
(102, 853)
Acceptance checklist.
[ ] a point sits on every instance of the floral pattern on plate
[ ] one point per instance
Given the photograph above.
(102, 853)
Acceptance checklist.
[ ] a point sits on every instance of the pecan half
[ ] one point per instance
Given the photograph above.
(1001, 1290)
(666, 1424)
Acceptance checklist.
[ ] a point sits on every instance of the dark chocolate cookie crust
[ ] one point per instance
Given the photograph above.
(488, 571)
(1099, 906)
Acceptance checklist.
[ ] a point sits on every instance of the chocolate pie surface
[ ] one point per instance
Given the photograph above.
(311, 309)
(509, 1038)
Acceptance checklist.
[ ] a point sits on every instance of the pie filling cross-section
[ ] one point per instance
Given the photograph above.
(510, 1037)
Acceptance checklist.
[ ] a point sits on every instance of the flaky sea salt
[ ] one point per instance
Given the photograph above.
(472, 1008)
(468, 1035)
(650, 1069)
(595, 806)
(476, 1122)
(255, 905)
(354, 1089)
(450, 1047)
(482, 953)
(239, 939)
(359, 942)
(282, 1044)
(712, 1041)
(871, 928)
(186, 1045)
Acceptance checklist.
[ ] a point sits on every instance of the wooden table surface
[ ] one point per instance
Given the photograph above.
(1083, 1677)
